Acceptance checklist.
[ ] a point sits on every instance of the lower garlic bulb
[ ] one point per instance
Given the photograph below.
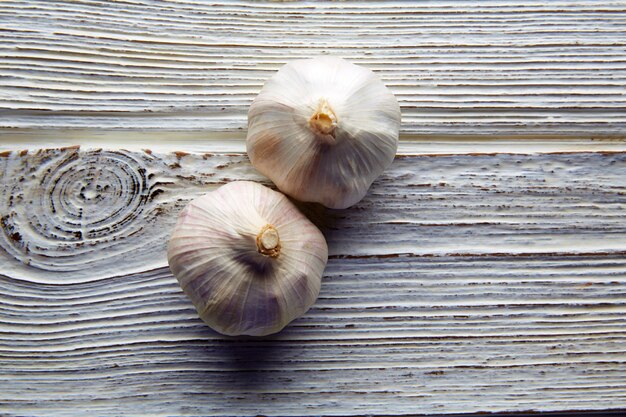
(247, 258)
(323, 129)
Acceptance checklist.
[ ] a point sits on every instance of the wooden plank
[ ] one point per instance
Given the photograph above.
(464, 282)
(457, 67)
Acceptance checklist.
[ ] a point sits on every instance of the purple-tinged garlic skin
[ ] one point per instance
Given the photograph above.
(323, 130)
(247, 258)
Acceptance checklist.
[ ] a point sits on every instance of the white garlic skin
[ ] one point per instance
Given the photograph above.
(237, 290)
(334, 159)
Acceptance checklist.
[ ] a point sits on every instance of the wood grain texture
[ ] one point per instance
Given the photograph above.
(487, 274)
(464, 282)
(457, 67)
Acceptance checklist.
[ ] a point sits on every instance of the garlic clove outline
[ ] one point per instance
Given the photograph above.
(323, 130)
(247, 258)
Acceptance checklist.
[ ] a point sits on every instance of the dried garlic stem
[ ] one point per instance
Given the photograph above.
(324, 120)
(268, 242)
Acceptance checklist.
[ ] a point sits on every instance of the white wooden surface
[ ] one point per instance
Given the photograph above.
(484, 271)
(457, 67)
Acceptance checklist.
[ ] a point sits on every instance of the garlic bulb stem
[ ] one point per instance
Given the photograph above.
(324, 120)
(268, 241)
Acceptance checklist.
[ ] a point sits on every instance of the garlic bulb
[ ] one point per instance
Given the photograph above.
(323, 130)
(247, 258)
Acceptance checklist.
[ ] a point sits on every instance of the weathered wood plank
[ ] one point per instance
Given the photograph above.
(463, 282)
(457, 67)
(476, 275)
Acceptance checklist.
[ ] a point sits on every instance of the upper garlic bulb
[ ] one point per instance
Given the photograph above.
(323, 130)
(247, 258)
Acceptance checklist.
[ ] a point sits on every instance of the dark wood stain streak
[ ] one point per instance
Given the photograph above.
(70, 148)
(491, 255)
(439, 155)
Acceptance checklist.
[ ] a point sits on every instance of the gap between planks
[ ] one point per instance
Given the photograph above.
(234, 142)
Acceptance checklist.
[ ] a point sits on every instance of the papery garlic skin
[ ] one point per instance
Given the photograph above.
(247, 258)
(323, 130)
